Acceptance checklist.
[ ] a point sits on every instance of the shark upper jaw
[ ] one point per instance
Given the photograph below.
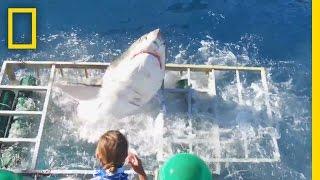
(154, 54)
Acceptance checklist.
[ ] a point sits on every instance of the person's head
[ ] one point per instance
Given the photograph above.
(112, 150)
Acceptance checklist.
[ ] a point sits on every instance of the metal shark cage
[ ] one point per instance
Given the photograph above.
(7, 72)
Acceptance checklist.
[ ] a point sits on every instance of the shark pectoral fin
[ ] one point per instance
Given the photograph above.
(80, 92)
(64, 100)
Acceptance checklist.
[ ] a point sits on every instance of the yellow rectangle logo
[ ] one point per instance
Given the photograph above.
(33, 44)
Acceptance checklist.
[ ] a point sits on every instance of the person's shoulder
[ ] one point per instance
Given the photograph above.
(98, 175)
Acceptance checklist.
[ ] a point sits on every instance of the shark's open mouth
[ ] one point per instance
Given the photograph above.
(153, 54)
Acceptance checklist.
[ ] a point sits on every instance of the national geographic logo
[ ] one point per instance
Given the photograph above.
(11, 13)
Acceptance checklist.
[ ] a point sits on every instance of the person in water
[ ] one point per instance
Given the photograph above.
(112, 153)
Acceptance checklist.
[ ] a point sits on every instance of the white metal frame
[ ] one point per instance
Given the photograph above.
(7, 68)
(216, 134)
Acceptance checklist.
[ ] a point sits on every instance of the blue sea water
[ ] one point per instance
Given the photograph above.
(272, 33)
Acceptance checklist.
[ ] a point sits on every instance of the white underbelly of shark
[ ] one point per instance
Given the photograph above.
(128, 83)
(124, 89)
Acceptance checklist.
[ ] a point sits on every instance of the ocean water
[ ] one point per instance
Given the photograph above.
(274, 34)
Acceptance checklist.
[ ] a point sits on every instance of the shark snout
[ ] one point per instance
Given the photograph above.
(157, 33)
(151, 44)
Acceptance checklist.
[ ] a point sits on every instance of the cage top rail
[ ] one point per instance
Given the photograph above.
(104, 65)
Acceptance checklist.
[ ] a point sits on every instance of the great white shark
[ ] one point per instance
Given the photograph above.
(128, 83)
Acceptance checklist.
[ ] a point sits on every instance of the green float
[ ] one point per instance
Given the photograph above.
(185, 166)
(6, 102)
(24, 102)
(8, 175)
(27, 80)
(182, 84)
(7, 99)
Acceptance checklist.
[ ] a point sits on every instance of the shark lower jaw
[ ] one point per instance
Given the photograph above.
(157, 56)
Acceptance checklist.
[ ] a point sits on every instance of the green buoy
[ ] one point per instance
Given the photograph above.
(185, 166)
(183, 84)
(7, 98)
(27, 80)
(6, 102)
(24, 102)
(8, 175)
